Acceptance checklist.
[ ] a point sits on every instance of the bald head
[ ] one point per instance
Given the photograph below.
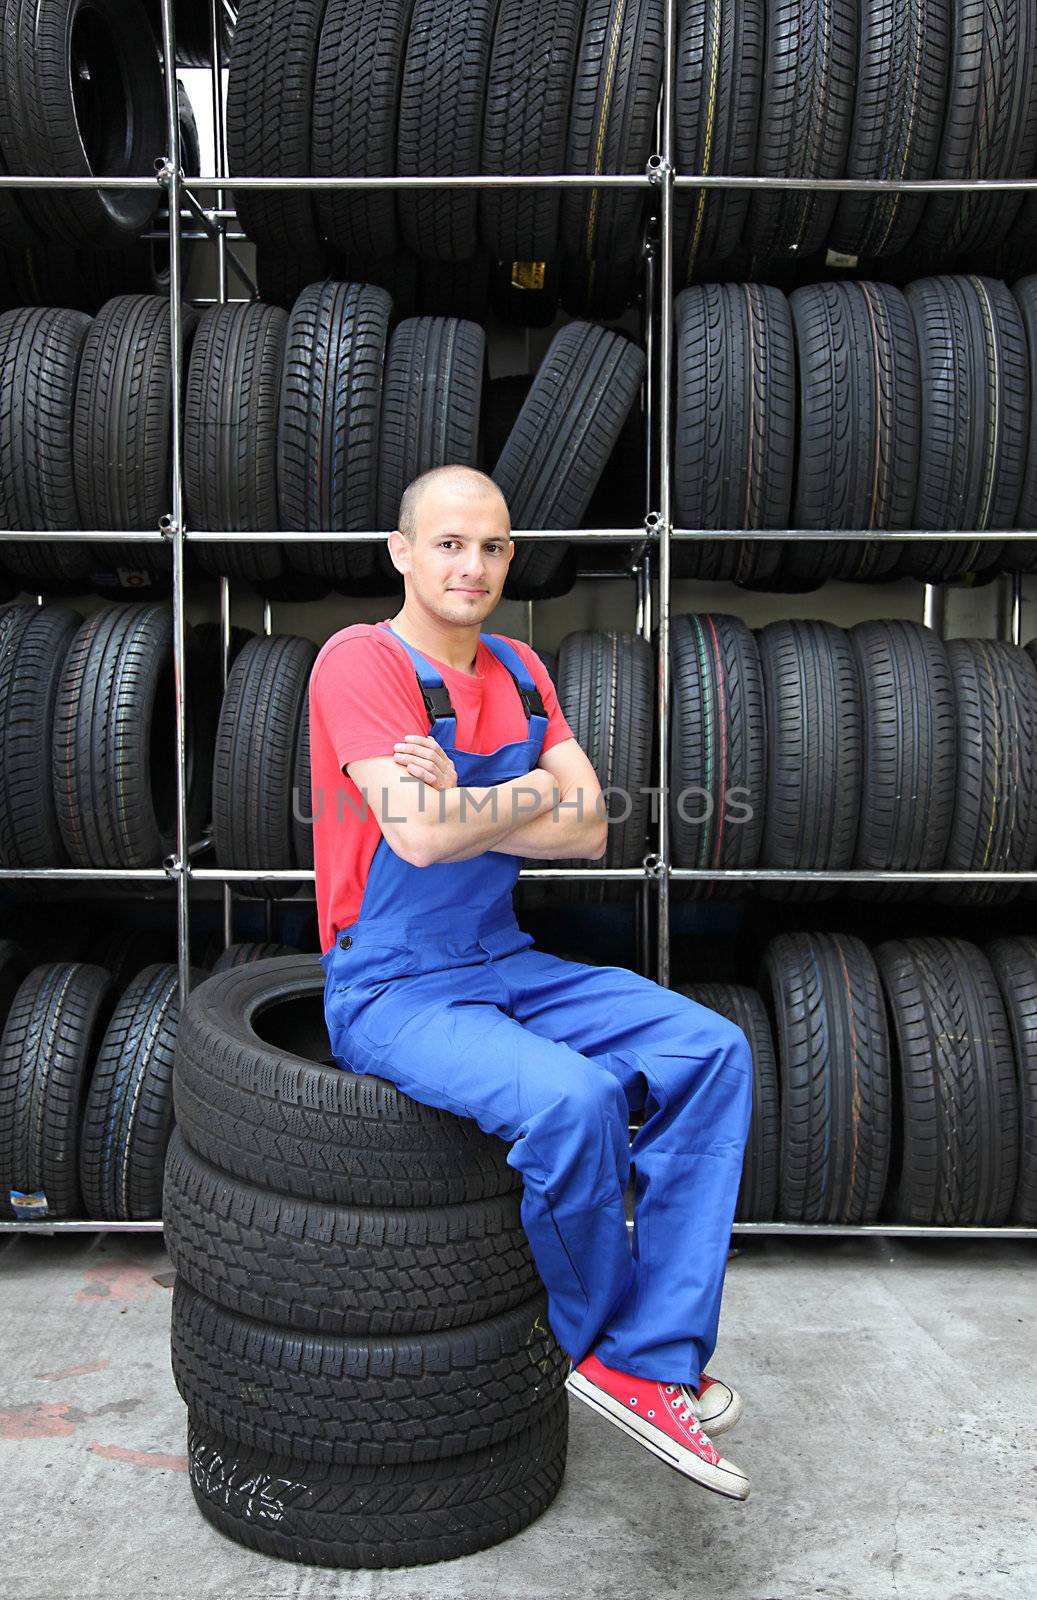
(464, 483)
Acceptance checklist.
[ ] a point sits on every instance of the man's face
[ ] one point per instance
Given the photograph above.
(461, 553)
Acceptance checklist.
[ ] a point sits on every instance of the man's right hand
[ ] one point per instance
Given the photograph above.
(424, 757)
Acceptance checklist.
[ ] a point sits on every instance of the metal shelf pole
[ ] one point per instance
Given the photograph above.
(664, 409)
(774, 1230)
(174, 524)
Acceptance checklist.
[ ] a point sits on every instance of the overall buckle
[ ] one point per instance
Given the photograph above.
(532, 701)
(437, 701)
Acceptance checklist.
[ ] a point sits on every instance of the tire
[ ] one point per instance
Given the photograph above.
(81, 93)
(897, 121)
(812, 696)
(859, 412)
(910, 757)
(128, 1115)
(975, 399)
(735, 426)
(442, 96)
(14, 967)
(758, 1189)
(114, 781)
(990, 128)
(1019, 555)
(805, 118)
(143, 268)
(823, 993)
(34, 641)
(619, 67)
(270, 1109)
(716, 113)
(342, 1270)
(606, 689)
(302, 792)
(121, 437)
(269, 118)
(254, 757)
(620, 498)
(718, 750)
(1014, 965)
(230, 435)
(431, 400)
(550, 661)
(356, 98)
(237, 955)
(126, 951)
(47, 1049)
(525, 124)
(955, 1080)
(568, 426)
(328, 422)
(40, 352)
(994, 823)
(379, 1516)
(206, 687)
(396, 274)
(193, 32)
(19, 237)
(350, 1400)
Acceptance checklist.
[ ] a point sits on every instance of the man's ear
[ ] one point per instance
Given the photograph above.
(397, 549)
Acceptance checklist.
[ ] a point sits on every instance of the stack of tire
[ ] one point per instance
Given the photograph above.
(338, 417)
(86, 1068)
(897, 1083)
(358, 1328)
(78, 275)
(881, 747)
(425, 87)
(312, 420)
(855, 405)
(858, 89)
(86, 735)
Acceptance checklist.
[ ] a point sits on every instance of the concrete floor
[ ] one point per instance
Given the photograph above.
(889, 1437)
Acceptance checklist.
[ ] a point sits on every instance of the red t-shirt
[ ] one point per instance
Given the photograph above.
(364, 696)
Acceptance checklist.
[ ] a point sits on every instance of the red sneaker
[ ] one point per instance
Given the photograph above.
(658, 1416)
(717, 1406)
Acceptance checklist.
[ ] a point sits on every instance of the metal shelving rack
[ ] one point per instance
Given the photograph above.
(215, 224)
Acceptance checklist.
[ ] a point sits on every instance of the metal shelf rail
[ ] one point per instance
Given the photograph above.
(214, 224)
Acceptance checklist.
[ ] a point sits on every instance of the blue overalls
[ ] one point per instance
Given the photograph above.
(436, 988)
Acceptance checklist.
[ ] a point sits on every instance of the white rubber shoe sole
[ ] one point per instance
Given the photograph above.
(725, 1479)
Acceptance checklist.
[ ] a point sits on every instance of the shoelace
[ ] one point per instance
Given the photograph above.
(687, 1415)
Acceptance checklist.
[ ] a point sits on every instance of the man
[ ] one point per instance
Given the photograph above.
(459, 763)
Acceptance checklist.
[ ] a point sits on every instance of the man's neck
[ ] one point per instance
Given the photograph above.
(456, 647)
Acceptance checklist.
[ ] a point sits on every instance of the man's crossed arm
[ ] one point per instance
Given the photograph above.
(557, 810)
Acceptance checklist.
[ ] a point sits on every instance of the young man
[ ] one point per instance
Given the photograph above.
(458, 763)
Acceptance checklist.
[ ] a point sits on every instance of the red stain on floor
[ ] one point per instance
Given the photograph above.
(43, 1420)
(139, 1458)
(117, 1280)
(73, 1372)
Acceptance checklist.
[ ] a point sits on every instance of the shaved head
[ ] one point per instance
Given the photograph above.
(465, 482)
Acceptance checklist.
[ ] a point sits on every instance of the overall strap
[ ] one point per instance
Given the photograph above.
(434, 691)
(508, 656)
(436, 696)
